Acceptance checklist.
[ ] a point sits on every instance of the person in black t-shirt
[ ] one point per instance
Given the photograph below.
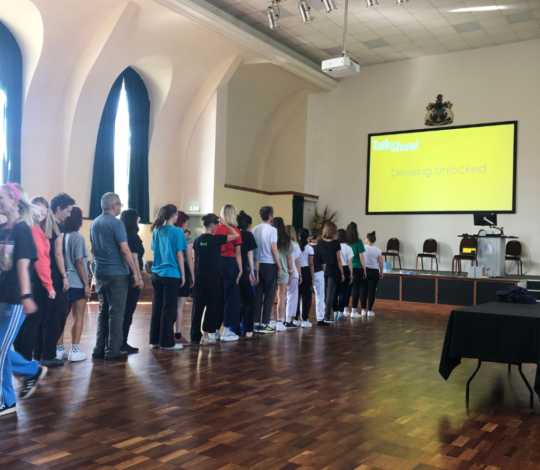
(17, 256)
(333, 268)
(130, 218)
(208, 290)
(247, 281)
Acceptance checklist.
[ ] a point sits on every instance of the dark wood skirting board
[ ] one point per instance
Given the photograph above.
(421, 289)
(271, 193)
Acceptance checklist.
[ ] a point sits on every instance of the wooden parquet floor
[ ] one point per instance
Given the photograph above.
(362, 394)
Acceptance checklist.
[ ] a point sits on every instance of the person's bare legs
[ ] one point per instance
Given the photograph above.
(77, 309)
(180, 319)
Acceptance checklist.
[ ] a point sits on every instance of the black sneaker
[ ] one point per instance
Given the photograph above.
(322, 323)
(265, 329)
(98, 355)
(290, 325)
(52, 363)
(114, 356)
(5, 410)
(329, 320)
(30, 385)
(129, 349)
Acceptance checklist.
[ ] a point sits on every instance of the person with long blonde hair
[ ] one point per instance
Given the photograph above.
(17, 256)
(231, 273)
(43, 227)
(333, 268)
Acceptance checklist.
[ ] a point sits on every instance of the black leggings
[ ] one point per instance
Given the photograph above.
(305, 296)
(247, 298)
(340, 296)
(131, 304)
(369, 289)
(207, 294)
(330, 286)
(354, 288)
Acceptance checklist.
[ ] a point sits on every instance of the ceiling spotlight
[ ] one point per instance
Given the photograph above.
(272, 12)
(304, 8)
(329, 5)
(400, 2)
(371, 3)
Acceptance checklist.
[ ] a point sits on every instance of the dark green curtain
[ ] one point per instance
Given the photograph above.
(103, 178)
(139, 122)
(11, 82)
(298, 212)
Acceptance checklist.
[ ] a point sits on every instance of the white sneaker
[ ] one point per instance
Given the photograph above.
(356, 315)
(228, 335)
(280, 326)
(154, 346)
(174, 348)
(298, 322)
(364, 313)
(306, 324)
(207, 341)
(346, 312)
(214, 336)
(76, 356)
(61, 354)
(371, 313)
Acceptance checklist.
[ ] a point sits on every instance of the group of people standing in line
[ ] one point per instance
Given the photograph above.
(232, 272)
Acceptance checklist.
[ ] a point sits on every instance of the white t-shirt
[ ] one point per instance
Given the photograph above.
(372, 256)
(264, 235)
(295, 255)
(346, 254)
(304, 256)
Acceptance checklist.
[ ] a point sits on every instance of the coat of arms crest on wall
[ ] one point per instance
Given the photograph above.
(439, 113)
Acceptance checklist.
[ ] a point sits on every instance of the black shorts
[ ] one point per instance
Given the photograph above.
(185, 290)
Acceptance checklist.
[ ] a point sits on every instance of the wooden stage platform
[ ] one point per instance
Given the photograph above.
(440, 292)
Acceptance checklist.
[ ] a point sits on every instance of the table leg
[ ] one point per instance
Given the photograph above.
(528, 386)
(472, 377)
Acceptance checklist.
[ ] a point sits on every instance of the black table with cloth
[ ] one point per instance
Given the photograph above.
(495, 332)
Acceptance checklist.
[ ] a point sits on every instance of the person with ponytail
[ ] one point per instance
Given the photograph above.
(17, 256)
(248, 280)
(341, 300)
(208, 290)
(307, 269)
(168, 276)
(42, 286)
(359, 269)
(374, 272)
(285, 249)
(187, 289)
(231, 273)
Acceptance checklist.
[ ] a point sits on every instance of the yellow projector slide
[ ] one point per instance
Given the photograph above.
(456, 169)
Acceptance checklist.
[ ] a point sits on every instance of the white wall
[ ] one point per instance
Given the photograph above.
(485, 85)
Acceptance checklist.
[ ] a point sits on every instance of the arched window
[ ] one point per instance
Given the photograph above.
(11, 96)
(121, 157)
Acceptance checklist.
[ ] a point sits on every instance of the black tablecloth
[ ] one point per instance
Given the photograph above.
(494, 332)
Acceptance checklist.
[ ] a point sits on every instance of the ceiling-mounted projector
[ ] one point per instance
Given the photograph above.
(340, 67)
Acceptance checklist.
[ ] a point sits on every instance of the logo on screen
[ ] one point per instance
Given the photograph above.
(395, 146)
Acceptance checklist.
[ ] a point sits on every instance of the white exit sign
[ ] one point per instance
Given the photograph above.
(193, 208)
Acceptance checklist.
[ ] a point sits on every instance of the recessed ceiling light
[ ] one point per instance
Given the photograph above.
(488, 8)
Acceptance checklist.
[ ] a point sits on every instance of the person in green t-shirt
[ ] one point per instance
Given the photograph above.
(359, 270)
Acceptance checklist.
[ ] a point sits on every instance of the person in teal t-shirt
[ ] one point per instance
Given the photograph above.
(168, 244)
(359, 270)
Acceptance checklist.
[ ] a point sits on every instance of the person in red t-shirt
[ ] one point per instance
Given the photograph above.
(231, 272)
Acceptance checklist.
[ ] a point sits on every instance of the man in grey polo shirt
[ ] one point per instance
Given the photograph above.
(112, 262)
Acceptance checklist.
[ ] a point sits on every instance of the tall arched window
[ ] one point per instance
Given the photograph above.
(121, 157)
(11, 96)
